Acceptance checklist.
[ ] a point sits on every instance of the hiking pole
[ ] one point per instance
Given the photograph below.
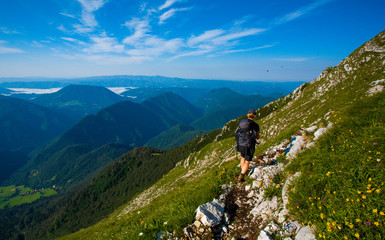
(229, 152)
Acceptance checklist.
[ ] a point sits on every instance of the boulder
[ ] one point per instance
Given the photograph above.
(210, 214)
(305, 233)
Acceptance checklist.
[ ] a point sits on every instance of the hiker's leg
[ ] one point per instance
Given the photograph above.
(245, 167)
(242, 162)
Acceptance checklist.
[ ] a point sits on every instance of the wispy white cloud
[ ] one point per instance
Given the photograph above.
(8, 31)
(219, 39)
(300, 12)
(154, 47)
(73, 40)
(205, 37)
(140, 29)
(5, 50)
(68, 15)
(190, 53)
(236, 35)
(247, 50)
(88, 21)
(104, 44)
(168, 3)
(170, 13)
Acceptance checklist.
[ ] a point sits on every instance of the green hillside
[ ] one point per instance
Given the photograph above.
(175, 136)
(339, 194)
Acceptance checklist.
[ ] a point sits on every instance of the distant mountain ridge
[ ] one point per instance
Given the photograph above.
(242, 87)
(79, 100)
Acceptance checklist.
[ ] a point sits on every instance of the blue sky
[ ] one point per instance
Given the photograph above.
(264, 40)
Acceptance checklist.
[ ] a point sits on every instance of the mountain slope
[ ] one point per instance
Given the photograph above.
(172, 109)
(222, 105)
(26, 125)
(79, 100)
(176, 136)
(170, 204)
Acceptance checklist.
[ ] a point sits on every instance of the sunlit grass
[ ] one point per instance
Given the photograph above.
(341, 189)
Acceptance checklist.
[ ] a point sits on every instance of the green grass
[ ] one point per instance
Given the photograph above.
(341, 188)
(11, 196)
(172, 211)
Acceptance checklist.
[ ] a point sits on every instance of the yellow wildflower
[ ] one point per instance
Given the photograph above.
(382, 213)
(378, 191)
(375, 210)
(347, 199)
(376, 223)
(358, 220)
(357, 235)
(363, 196)
(322, 216)
(359, 192)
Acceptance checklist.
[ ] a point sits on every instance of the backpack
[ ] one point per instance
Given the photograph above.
(244, 135)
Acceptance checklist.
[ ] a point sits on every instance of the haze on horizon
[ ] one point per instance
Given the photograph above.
(194, 39)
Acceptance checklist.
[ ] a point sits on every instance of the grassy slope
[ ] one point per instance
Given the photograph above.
(175, 197)
(342, 192)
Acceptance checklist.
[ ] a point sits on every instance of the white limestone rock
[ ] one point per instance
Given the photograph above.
(210, 214)
(305, 233)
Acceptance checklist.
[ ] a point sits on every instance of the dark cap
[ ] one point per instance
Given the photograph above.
(252, 111)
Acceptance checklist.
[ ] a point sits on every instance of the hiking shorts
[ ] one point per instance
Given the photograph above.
(247, 152)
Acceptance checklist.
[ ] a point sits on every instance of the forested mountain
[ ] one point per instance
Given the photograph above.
(175, 136)
(26, 125)
(79, 100)
(125, 122)
(171, 109)
(221, 105)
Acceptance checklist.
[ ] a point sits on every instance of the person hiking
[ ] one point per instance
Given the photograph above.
(246, 136)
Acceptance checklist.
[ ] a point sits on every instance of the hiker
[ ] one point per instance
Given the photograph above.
(246, 136)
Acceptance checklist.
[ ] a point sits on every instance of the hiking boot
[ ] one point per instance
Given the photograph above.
(241, 178)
